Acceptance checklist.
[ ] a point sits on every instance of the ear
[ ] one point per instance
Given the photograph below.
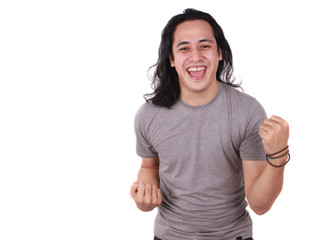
(220, 54)
(171, 61)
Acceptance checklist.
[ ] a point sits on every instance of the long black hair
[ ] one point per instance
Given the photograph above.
(165, 82)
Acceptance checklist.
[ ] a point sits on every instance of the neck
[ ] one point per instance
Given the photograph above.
(194, 98)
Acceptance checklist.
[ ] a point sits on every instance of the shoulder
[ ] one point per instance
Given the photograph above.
(146, 113)
(146, 110)
(244, 109)
(237, 95)
(240, 100)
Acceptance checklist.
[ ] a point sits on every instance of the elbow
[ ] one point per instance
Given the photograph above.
(260, 206)
(260, 210)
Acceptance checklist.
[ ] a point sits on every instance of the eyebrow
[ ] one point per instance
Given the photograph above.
(205, 40)
(200, 41)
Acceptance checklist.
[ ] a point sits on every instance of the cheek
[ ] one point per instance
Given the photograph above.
(178, 64)
(215, 60)
(179, 70)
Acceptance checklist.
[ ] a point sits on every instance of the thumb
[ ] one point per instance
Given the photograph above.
(134, 189)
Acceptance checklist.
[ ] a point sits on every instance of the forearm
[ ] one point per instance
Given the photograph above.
(266, 188)
(146, 192)
(149, 175)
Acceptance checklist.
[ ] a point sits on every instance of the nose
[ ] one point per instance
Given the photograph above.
(195, 55)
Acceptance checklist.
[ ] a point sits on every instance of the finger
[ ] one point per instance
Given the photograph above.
(148, 191)
(262, 132)
(266, 127)
(280, 121)
(134, 189)
(270, 125)
(154, 193)
(159, 196)
(276, 118)
(270, 122)
(141, 191)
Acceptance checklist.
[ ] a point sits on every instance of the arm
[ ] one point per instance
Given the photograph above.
(145, 191)
(263, 183)
(149, 171)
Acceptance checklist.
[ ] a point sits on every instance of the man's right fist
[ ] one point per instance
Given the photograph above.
(146, 196)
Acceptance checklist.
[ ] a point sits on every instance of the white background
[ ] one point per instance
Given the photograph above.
(72, 77)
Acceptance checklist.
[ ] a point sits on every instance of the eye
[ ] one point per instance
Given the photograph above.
(205, 46)
(183, 49)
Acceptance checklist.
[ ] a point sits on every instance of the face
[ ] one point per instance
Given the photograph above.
(195, 57)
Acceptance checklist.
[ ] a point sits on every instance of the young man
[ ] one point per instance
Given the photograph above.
(203, 143)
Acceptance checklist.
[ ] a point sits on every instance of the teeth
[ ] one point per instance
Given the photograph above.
(195, 69)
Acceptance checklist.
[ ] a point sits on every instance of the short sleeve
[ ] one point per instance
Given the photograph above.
(143, 147)
(251, 147)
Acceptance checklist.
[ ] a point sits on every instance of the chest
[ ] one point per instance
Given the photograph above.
(207, 131)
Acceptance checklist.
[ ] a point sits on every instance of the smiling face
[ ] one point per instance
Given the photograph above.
(196, 58)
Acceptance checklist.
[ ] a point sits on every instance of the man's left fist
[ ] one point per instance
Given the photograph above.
(274, 133)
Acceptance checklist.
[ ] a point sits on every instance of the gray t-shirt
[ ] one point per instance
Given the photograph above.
(200, 151)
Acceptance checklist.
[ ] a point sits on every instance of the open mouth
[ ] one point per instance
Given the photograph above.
(196, 73)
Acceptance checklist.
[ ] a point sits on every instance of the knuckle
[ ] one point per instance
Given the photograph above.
(154, 202)
(285, 124)
(147, 200)
(139, 199)
(277, 128)
(261, 132)
(160, 197)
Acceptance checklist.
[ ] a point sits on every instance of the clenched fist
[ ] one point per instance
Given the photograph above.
(274, 133)
(146, 196)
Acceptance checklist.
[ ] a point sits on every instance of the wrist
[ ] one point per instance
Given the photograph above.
(280, 158)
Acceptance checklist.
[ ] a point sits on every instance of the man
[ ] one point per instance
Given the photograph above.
(203, 143)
